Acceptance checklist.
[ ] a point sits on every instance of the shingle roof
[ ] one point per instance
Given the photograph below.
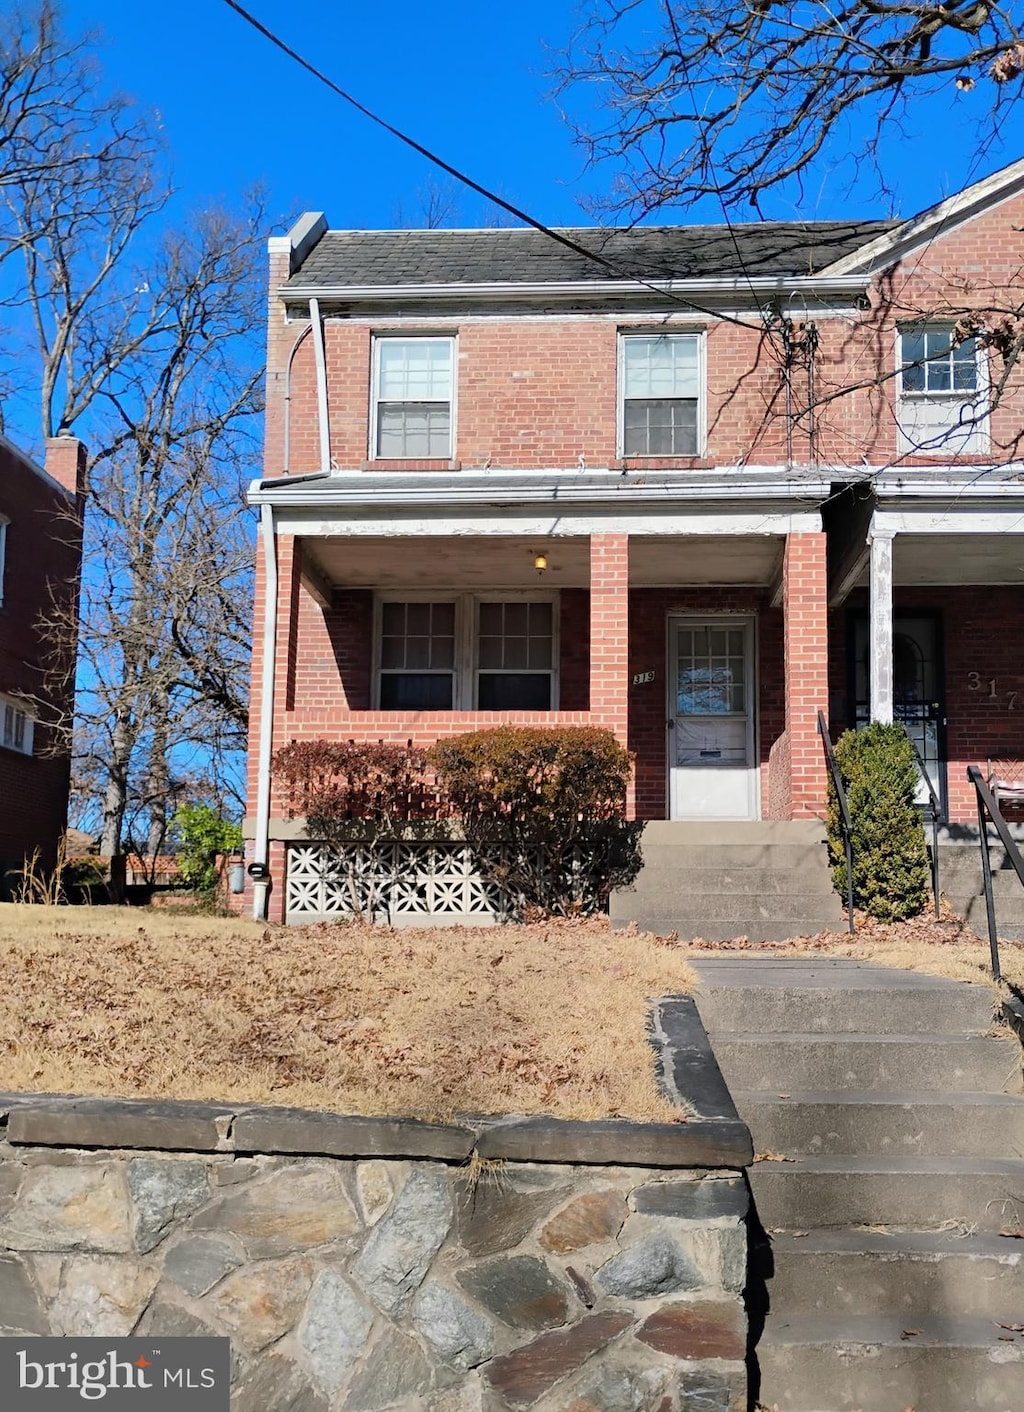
(358, 258)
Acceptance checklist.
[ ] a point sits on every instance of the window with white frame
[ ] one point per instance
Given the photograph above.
(660, 379)
(417, 656)
(515, 656)
(16, 727)
(4, 522)
(942, 391)
(467, 653)
(412, 398)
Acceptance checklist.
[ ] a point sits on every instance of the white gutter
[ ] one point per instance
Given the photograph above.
(261, 851)
(314, 495)
(320, 354)
(598, 288)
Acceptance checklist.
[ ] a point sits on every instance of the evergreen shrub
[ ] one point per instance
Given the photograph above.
(890, 857)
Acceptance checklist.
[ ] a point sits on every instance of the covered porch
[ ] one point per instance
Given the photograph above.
(692, 626)
(927, 624)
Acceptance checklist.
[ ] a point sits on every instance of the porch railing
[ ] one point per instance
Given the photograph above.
(936, 813)
(845, 822)
(987, 806)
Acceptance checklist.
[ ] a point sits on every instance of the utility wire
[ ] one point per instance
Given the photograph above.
(559, 236)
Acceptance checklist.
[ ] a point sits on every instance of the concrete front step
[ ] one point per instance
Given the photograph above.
(674, 878)
(821, 1009)
(909, 1273)
(676, 832)
(869, 1062)
(911, 1193)
(842, 1363)
(1009, 915)
(780, 857)
(890, 1123)
(698, 926)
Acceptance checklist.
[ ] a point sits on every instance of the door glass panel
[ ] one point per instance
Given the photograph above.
(710, 672)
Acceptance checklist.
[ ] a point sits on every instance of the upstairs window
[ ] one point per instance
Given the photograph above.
(16, 727)
(660, 380)
(412, 411)
(942, 402)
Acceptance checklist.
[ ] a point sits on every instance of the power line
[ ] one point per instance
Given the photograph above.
(560, 237)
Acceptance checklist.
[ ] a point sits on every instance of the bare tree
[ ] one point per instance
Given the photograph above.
(736, 100)
(145, 340)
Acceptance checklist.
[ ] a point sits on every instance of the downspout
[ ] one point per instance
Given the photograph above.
(288, 399)
(320, 354)
(261, 853)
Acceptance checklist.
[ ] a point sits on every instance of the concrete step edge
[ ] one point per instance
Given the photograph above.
(878, 1098)
(883, 1331)
(883, 1165)
(857, 1243)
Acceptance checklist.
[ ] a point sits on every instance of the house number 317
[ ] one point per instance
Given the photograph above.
(975, 683)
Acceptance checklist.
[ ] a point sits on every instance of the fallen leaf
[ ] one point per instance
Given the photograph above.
(772, 1157)
(1013, 1328)
(909, 1333)
(1010, 1235)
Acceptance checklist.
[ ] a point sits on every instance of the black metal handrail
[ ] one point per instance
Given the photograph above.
(987, 805)
(937, 815)
(845, 822)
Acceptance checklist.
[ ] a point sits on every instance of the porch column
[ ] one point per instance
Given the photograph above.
(805, 615)
(609, 637)
(881, 672)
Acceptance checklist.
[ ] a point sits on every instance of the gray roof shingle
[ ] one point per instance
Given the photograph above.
(361, 258)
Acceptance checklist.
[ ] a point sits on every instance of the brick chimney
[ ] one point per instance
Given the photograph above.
(65, 461)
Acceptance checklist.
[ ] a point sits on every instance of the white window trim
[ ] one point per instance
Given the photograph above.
(384, 336)
(467, 637)
(979, 398)
(27, 746)
(620, 391)
(4, 522)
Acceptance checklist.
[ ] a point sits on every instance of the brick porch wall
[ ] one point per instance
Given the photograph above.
(980, 630)
(805, 613)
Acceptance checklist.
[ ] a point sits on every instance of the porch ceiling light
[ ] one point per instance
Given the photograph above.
(540, 562)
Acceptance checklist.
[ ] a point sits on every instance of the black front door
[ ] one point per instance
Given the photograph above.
(919, 691)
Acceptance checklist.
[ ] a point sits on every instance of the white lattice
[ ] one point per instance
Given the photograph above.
(398, 882)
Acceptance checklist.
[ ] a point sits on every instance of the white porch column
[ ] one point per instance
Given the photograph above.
(880, 652)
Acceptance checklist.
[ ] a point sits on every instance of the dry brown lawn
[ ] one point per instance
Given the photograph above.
(545, 1018)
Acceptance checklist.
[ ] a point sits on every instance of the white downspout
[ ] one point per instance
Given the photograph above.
(261, 852)
(320, 356)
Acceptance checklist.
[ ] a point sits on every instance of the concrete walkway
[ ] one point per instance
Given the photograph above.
(897, 1107)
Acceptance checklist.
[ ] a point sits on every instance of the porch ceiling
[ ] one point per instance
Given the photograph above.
(497, 562)
(952, 560)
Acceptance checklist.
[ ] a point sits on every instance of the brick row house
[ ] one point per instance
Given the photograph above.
(40, 564)
(693, 490)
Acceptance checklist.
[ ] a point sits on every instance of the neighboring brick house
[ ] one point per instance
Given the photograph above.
(715, 437)
(40, 564)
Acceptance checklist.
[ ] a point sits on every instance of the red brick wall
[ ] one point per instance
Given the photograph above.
(43, 555)
(980, 630)
(805, 611)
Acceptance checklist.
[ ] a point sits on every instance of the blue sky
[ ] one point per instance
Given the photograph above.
(466, 78)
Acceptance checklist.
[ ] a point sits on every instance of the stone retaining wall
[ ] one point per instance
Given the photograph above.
(366, 1264)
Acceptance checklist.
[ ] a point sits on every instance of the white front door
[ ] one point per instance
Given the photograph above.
(712, 763)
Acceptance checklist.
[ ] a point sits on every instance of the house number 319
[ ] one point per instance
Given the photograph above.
(975, 683)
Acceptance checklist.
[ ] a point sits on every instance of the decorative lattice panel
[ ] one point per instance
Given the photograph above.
(396, 882)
